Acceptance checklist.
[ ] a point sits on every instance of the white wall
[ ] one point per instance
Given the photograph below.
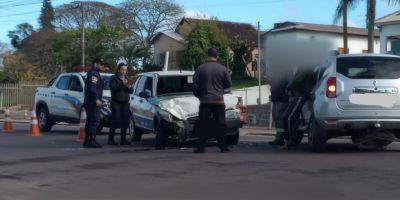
(250, 95)
(385, 32)
(286, 50)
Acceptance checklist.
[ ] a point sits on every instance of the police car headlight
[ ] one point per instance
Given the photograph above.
(232, 113)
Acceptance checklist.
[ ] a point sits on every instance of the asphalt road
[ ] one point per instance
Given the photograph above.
(54, 166)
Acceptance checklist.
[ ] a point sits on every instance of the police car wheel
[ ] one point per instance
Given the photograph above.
(44, 122)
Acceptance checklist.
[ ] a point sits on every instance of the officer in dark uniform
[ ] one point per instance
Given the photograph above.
(92, 102)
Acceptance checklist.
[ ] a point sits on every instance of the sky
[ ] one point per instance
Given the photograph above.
(267, 12)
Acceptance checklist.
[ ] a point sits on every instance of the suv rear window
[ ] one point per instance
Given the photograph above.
(174, 84)
(369, 67)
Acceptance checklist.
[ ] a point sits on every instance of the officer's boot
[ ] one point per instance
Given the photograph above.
(123, 139)
(95, 144)
(87, 141)
(111, 140)
(279, 139)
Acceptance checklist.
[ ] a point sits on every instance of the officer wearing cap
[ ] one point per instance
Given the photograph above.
(92, 102)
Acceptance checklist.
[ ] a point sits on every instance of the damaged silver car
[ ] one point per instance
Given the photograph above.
(162, 103)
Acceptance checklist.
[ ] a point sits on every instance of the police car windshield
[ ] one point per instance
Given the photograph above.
(174, 84)
(106, 81)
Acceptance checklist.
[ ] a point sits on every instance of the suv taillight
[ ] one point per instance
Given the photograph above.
(331, 87)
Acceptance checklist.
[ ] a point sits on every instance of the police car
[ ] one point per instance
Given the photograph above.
(62, 98)
(163, 103)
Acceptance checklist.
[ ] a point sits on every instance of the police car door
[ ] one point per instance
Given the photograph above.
(142, 108)
(74, 97)
(59, 103)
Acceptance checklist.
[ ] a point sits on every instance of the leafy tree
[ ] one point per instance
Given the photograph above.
(17, 68)
(242, 55)
(38, 50)
(22, 31)
(149, 17)
(199, 40)
(105, 42)
(47, 15)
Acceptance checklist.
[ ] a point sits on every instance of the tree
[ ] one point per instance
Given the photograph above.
(38, 50)
(370, 20)
(17, 68)
(341, 12)
(242, 55)
(47, 15)
(148, 17)
(23, 31)
(130, 53)
(104, 42)
(91, 14)
(199, 40)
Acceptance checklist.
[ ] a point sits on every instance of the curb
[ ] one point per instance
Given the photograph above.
(17, 121)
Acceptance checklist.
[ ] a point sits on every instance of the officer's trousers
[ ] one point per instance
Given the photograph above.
(93, 121)
(292, 118)
(278, 110)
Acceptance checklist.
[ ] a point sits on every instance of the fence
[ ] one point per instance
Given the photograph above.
(22, 93)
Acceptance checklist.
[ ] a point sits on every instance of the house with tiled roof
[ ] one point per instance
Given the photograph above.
(173, 42)
(389, 28)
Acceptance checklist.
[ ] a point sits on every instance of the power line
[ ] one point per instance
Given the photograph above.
(18, 14)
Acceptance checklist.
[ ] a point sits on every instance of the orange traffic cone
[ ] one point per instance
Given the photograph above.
(34, 130)
(82, 124)
(7, 128)
(26, 116)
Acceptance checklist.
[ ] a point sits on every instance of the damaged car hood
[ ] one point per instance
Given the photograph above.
(187, 106)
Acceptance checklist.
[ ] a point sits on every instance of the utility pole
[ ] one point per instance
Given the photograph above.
(259, 65)
(83, 37)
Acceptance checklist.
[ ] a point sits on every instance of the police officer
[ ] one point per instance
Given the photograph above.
(299, 90)
(280, 100)
(92, 102)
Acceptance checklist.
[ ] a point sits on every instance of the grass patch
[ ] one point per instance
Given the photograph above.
(244, 82)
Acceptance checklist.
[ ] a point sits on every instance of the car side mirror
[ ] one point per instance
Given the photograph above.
(144, 94)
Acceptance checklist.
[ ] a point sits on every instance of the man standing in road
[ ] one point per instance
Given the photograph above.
(92, 102)
(210, 81)
(280, 100)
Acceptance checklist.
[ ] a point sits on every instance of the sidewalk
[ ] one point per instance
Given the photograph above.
(257, 130)
(17, 116)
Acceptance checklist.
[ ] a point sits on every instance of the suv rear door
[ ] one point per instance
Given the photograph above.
(368, 82)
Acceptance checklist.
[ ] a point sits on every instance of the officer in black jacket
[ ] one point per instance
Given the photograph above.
(92, 102)
(280, 100)
(210, 81)
(299, 89)
(120, 90)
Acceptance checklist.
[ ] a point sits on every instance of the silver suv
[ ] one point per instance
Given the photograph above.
(356, 95)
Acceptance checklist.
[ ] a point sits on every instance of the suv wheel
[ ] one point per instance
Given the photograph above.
(134, 133)
(45, 123)
(316, 137)
(161, 137)
(233, 139)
